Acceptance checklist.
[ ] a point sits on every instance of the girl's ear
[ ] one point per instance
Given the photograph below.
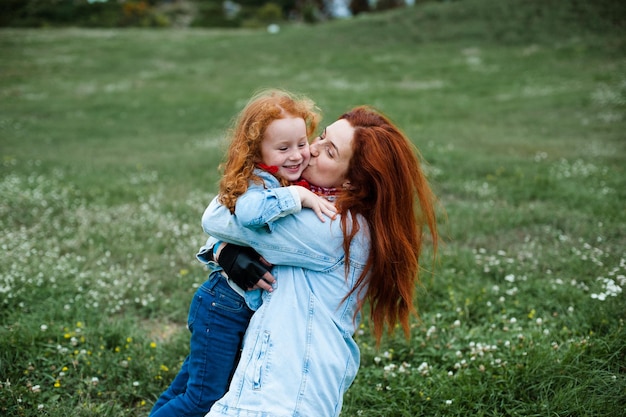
(347, 186)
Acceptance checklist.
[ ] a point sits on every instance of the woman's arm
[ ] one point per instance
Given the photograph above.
(298, 240)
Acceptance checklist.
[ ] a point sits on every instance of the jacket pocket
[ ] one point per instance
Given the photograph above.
(259, 362)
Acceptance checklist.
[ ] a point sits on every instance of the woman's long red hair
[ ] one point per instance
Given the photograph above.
(389, 189)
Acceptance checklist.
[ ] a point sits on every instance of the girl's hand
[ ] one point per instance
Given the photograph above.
(319, 205)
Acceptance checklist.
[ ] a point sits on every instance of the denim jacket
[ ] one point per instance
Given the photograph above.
(299, 357)
(262, 204)
(259, 206)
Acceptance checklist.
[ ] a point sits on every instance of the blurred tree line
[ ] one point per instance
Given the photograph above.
(165, 13)
(258, 13)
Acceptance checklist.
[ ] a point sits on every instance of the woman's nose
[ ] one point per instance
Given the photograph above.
(313, 149)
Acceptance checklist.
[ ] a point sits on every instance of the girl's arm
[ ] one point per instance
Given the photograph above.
(298, 240)
(260, 206)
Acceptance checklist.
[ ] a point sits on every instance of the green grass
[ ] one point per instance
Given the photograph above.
(110, 142)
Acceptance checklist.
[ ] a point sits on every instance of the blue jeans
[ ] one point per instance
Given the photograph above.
(218, 318)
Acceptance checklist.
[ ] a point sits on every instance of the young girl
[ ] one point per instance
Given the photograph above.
(269, 149)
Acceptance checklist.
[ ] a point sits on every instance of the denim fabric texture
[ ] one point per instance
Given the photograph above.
(299, 356)
(253, 297)
(258, 207)
(262, 204)
(218, 318)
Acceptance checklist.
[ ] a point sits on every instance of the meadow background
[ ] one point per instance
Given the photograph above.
(110, 141)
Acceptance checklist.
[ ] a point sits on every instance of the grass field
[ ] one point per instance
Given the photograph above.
(110, 142)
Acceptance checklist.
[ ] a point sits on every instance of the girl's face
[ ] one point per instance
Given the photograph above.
(285, 145)
(330, 156)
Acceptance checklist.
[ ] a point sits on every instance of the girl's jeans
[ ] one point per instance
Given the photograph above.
(218, 318)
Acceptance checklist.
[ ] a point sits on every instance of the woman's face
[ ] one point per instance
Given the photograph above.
(330, 155)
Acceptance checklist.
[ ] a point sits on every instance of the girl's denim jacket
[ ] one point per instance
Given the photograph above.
(298, 356)
(258, 207)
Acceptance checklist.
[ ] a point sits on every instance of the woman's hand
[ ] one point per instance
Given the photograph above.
(320, 205)
(245, 267)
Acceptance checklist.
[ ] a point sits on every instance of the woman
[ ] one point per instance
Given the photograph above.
(299, 356)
